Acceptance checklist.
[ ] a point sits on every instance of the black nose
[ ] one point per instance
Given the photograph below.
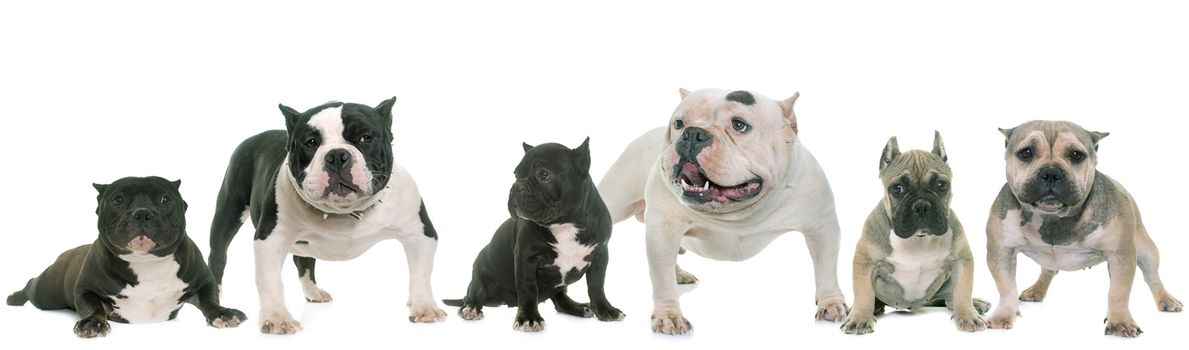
(693, 140)
(1050, 175)
(338, 159)
(921, 207)
(142, 215)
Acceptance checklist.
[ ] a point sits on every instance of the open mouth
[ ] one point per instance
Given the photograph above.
(1049, 202)
(697, 187)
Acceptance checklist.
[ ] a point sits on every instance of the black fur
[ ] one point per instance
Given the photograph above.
(742, 97)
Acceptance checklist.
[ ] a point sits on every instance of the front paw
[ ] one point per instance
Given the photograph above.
(858, 324)
(1168, 304)
(1124, 327)
(831, 310)
(670, 322)
(528, 322)
(90, 328)
(470, 313)
(278, 323)
(969, 321)
(1002, 319)
(226, 318)
(606, 312)
(427, 313)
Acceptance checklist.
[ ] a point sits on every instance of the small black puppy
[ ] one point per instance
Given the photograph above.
(140, 269)
(558, 231)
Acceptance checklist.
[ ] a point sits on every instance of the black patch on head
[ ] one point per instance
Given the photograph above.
(427, 226)
(368, 129)
(135, 206)
(741, 96)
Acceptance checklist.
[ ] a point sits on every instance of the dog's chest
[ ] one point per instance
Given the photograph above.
(1025, 236)
(571, 253)
(341, 241)
(156, 295)
(918, 262)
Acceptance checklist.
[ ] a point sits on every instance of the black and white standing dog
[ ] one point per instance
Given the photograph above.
(325, 188)
(140, 269)
(558, 231)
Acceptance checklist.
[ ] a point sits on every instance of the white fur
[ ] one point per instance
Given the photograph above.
(570, 253)
(918, 262)
(1078, 255)
(329, 123)
(156, 294)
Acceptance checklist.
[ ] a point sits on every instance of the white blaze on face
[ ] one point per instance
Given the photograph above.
(156, 293)
(570, 253)
(329, 123)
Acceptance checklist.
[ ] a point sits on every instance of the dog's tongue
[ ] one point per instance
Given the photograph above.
(691, 173)
(741, 192)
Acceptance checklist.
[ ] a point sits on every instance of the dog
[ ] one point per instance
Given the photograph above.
(141, 269)
(726, 177)
(558, 232)
(325, 188)
(913, 252)
(1059, 210)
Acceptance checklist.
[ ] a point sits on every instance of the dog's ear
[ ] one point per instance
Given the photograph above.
(177, 185)
(582, 157)
(526, 146)
(890, 152)
(291, 116)
(683, 92)
(102, 189)
(938, 147)
(1006, 135)
(786, 107)
(385, 110)
(1096, 136)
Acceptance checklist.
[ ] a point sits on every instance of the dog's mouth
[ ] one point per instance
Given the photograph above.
(340, 188)
(141, 243)
(1049, 202)
(696, 186)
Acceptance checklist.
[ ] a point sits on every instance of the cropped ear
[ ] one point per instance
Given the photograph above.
(683, 92)
(385, 110)
(176, 184)
(526, 146)
(1096, 136)
(1006, 135)
(101, 188)
(291, 116)
(890, 152)
(582, 157)
(938, 147)
(786, 107)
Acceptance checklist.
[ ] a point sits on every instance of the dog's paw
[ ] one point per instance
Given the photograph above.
(278, 323)
(470, 313)
(969, 321)
(575, 309)
(670, 322)
(1033, 294)
(608, 313)
(90, 328)
(1002, 319)
(226, 318)
(831, 310)
(1168, 304)
(317, 295)
(528, 323)
(426, 314)
(684, 277)
(982, 306)
(1125, 327)
(858, 324)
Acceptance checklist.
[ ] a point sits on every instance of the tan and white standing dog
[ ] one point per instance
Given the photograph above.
(726, 177)
(1057, 209)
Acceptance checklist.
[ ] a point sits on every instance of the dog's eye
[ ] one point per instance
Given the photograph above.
(118, 200)
(164, 199)
(1025, 154)
(896, 189)
(942, 185)
(1077, 156)
(311, 142)
(366, 139)
(678, 124)
(740, 125)
(544, 175)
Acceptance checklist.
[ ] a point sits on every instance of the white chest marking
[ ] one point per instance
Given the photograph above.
(918, 261)
(156, 294)
(570, 254)
(1026, 238)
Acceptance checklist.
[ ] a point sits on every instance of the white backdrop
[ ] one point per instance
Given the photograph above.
(94, 91)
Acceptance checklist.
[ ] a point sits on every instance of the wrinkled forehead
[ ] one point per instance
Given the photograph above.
(916, 166)
(1051, 134)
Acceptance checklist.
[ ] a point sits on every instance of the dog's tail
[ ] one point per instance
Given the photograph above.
(22, 296)
(448, 302)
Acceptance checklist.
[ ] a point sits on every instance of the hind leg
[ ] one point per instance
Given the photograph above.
(1148, 259)
(1038, 290)
(309, 285)
(230, 215)
(565, 305)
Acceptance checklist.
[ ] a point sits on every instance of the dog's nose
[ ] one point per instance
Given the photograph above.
(1050, 175)
(142, 215)
(921, 207)
(693, 140)
(338, 159)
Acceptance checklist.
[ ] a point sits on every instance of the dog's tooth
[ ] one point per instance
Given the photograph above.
(706, 186)
(685, 183)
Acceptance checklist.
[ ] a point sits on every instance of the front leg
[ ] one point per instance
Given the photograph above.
(420, 250)
(823, 249)
(861, 318)
(207, 301)
(595, 279)
(526, 263)
(966, 316)
(1121, 265)
(270, 255)
(93, 311)
(1002, 263)
(663, 242)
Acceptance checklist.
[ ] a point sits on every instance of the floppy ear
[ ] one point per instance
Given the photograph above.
(890, 152)
(101, 188)
(938, 147)
(385, 110)
(1006, 135)
(683, 92)
(1097, 136)
(291, 116)
(526, 146)
(582, 157)
(786, 107)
